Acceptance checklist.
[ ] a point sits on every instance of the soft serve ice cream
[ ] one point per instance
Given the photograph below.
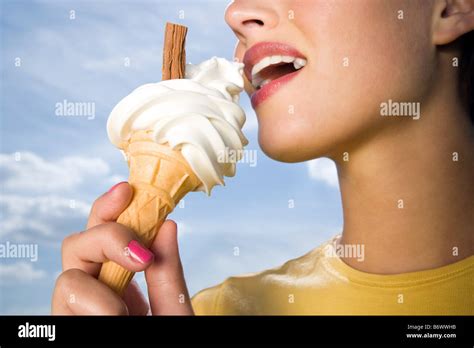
(198, 115)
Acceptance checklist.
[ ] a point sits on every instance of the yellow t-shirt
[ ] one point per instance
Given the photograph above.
(321, 283)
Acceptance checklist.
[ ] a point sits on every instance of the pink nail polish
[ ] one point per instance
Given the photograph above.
(139, 253)
(115, 186)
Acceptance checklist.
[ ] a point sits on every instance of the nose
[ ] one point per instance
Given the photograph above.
(249, 17)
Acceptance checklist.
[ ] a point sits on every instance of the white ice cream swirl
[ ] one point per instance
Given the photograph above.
(199, 116)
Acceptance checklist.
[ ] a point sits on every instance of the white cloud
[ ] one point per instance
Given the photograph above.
(324, 170)
(141, 40)
(141, 59)
(208, 252)
(30, 172)
(24, 218)
(114, 179)
(54, 206)
(42, 200)
(20, 272)
(107, 61)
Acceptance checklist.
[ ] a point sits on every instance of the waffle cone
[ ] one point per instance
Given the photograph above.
(160, 177)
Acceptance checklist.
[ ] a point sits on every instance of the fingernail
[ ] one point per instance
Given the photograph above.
(139, 253)
(115, 186)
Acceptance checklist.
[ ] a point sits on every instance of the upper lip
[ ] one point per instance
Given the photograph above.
(267, 49)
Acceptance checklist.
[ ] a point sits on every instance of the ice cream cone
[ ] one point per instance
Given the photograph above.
(200, 113)
(160, 178)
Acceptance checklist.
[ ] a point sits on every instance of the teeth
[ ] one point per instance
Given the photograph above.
(276, 59)
(261, 65)
(258, 82)
(299, 63)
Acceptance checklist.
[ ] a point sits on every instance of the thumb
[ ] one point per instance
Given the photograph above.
(110, 205)
(165, 279)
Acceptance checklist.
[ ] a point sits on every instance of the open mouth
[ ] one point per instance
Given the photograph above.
(269, 66)
(272, 68)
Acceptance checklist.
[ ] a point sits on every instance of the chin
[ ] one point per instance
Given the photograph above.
(284, 148)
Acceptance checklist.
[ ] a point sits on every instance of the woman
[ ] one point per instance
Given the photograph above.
(384, 88)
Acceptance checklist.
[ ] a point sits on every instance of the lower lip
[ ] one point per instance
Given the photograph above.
(262, 94)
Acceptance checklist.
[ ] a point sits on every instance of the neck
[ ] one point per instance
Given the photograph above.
(408, 193)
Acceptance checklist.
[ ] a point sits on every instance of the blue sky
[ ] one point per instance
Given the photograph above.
(52, 168)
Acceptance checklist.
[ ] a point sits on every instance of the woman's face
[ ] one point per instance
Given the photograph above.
(357, 55)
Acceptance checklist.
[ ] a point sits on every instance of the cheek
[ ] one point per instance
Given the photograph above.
(360, 56)
(364, 54)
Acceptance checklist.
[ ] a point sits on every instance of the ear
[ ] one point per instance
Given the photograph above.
(453, 18)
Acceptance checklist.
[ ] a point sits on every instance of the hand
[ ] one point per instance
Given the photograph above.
(77, 290)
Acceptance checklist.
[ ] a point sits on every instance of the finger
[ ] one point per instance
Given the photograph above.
(110, 205)
(136, 302)
(110, 241)
(78, 293)
(165, 279)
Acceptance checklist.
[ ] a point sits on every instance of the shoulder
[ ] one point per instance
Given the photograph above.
(205, 301)
(248, 294)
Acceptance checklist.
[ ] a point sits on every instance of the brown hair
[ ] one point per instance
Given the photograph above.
(466, 72)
